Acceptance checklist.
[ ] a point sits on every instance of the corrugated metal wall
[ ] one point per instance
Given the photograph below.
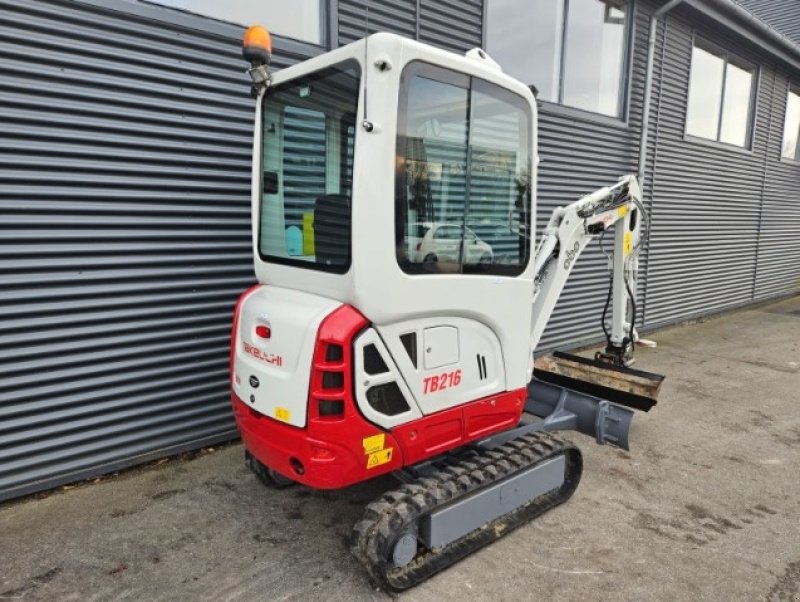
(358, 17)
(124, 235)
(778, 257)
(724, 218)
(455, 25)
(125, 230)
(124, 214)
(781, 15)
(451, 24)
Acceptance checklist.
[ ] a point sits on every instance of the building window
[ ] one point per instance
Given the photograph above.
(720, 96)
(298, 19)
(791, 127)
(573, 51)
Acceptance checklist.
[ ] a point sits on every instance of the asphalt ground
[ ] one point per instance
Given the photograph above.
(705, 506)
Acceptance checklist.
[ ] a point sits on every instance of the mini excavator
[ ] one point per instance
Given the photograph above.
(401, 299)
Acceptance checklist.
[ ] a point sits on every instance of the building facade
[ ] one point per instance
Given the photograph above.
(125, 204)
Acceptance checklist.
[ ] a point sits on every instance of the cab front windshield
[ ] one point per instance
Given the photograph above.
(307, 169)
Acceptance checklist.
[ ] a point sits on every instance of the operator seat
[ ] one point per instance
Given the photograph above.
(332, 230)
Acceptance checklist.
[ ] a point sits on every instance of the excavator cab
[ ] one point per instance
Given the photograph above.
(401, 297)
(375, 167)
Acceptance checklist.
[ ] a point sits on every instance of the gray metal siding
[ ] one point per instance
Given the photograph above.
(708, 251)
(724, 220)
(778, 260)
(398, 16)
(782, 15)
(124, 235)
(451, 24)
(125, 226)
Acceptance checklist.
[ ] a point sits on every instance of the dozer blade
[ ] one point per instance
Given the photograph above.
(633, 388)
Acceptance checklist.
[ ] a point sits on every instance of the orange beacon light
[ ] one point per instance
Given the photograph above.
(257, 46)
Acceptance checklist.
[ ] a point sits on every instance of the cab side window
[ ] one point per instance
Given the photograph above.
(463, 175)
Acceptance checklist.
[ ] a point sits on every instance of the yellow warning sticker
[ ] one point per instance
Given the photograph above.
(622, 211)
(373, 443)
(282, 414)
(627, 243)
(383, 456)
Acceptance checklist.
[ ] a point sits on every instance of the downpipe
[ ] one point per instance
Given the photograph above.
(563, 409)
(648, 87)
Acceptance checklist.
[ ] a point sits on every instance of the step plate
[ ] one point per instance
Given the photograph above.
(452, 522)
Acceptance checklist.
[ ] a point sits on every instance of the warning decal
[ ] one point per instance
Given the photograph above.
(380, 457)
(374, 450)
(374, 443)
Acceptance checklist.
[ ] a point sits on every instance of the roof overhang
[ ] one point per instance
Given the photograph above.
(742, 22)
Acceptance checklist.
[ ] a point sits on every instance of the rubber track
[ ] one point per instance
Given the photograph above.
(459, 475)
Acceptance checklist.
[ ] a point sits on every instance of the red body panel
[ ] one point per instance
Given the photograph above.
(440, 432)
(331, 447)
(332, 454)
(338, 448)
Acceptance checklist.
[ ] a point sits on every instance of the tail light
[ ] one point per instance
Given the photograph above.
(330, 395)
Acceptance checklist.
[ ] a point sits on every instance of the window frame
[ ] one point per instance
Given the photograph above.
(626, 73)
(327, 15)
(790, 89)
(300, 263)
(422, 68)
(726, 55)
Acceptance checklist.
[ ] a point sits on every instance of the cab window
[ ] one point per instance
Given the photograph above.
(308, 137)
(464, 161)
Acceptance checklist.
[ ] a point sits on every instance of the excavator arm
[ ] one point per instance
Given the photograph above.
(567, 234)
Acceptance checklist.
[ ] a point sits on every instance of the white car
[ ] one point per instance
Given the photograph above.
(430, 242)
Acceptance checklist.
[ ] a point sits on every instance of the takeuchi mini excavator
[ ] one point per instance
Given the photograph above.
(402, 297)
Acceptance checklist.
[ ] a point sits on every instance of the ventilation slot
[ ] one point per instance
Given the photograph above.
(328, 382)
(332, 380)
(409, 341)
(331, 407)
(387, 399)
(481, 366)
(334, 353)
(373, 362)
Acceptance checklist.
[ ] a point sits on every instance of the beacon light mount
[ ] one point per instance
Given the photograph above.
(257, 50)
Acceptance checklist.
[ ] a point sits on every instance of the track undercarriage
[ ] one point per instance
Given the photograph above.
(450, 506)
(439, 516)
